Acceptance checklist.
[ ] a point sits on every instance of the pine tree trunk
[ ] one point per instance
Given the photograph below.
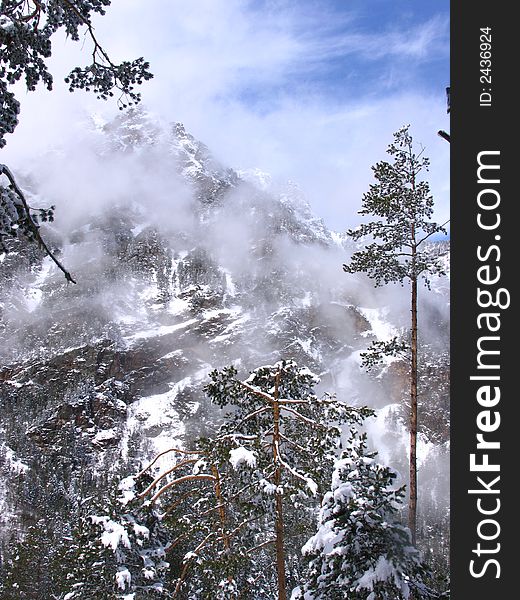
(220, 504)
(279, 544)
(412, 509)
(222, 513)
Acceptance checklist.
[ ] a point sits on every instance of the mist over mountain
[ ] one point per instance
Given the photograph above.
(185, 265)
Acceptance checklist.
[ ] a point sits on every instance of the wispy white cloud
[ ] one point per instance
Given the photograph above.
(419, 41)
(288, 87)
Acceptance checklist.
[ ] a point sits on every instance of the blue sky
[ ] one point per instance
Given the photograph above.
(367, 47)
(307, 90)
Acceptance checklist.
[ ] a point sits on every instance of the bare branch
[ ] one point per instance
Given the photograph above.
(180, 480)
(179, 465)
(140, 474)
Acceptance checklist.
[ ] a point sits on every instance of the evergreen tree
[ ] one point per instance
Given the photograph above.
(360, 551)
(29, 561)
(241, 505)
(117, 549)
(403, 206)
(193, 505)
(284, 440)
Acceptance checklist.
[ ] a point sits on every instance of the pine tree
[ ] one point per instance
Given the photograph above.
(283, 439)
(240, 506)
(360, 551)
(192, 505)
(117, 548)
(28, 562)
(403, 206)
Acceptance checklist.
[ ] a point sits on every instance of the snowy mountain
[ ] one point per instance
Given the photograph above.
(184, 265)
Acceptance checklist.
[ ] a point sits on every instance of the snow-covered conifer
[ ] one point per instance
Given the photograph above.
(117, 549)
(361, 551)
(281, 439)
(242, 503)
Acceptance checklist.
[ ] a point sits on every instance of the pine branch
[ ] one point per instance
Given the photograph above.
(187, 564)
(304, 419)
(283, 401)
(266, 543)
(431, 233)
(253, 414)
(90, 28)
(35, 230)
(240, 436)
(175, 504)
(261, 574)
(243, 524)
(292, 443)
(290, 469)
(30, 16)
(229, 499)
(172, 545)
(256, 391)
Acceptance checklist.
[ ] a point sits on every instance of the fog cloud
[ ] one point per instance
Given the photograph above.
(302, 91)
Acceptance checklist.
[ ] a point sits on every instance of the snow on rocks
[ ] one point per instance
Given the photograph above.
(156, 419)
(12, 461)
(160, 330)
(257, 177)
(34, 294)
(127, 489)
(380, 325)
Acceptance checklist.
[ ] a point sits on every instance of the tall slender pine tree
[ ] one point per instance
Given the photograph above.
(395, 252)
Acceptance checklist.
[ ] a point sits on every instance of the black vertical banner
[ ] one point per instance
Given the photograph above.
(485, 239)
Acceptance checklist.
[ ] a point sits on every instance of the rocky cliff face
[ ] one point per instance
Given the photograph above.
(188, 266)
